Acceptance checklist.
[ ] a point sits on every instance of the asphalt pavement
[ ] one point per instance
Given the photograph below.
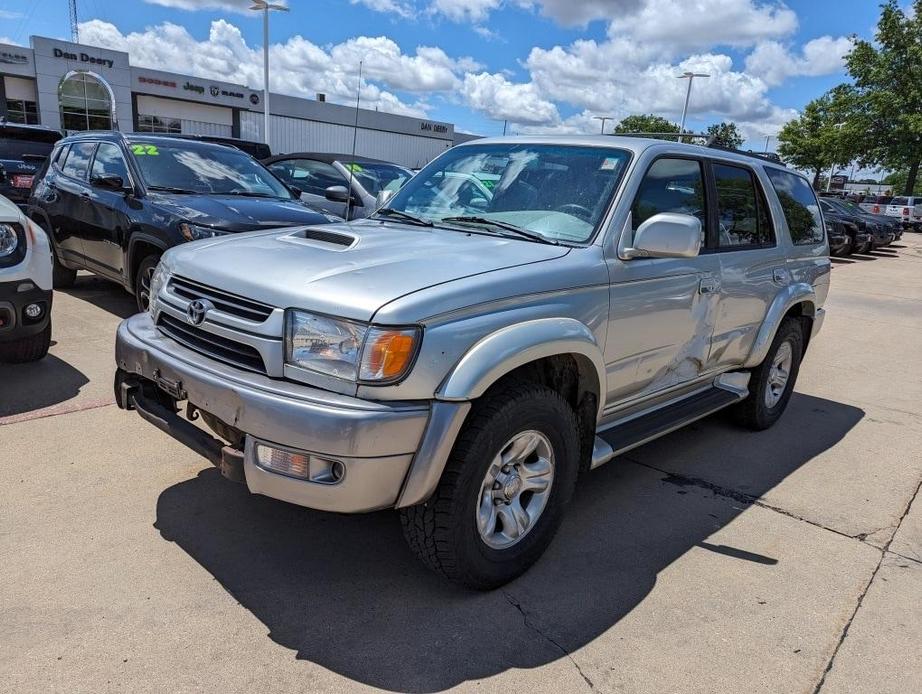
(712, 560)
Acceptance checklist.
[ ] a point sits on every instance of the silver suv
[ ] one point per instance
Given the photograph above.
(523, 310)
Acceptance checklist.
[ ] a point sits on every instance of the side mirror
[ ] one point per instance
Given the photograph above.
(336, 194)
(383, 198)
(295, 191)
(109, 182)
(666, 235)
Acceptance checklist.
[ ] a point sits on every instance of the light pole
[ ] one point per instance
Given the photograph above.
(690, 76)
(832, 168)
(603, 119)
(264, 7)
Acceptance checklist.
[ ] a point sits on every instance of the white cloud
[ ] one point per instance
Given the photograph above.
(299, 67)
(402, 8)
(499, 99)
(11, 14)
(774, 63)
(474, 11)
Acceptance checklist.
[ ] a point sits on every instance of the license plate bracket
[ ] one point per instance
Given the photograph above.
(173, 388)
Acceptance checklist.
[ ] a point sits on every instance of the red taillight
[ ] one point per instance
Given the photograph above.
(876, 209)
(906, 211)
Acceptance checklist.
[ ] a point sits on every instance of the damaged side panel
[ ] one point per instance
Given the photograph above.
(662, 304)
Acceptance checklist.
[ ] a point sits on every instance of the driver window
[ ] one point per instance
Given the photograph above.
(671, 185)
(109, 162)
(311, 176)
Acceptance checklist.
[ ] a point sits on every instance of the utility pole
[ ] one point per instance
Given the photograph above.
(603, 119)
(74, 31)
(767, 138)
(690, 76)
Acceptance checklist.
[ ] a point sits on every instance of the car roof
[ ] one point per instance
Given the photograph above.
(327, 157)
(151, 138)
(39, 132)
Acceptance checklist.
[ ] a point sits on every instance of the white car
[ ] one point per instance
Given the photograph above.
(25, 287)
(907, 209)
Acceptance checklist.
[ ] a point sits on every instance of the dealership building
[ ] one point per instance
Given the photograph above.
(75, 87)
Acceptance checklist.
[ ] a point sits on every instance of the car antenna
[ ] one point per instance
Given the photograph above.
(355, 135)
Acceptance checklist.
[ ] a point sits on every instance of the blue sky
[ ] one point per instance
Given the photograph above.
(545, 65)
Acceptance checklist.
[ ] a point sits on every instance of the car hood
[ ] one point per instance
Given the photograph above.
(236, 212)
(369, 264)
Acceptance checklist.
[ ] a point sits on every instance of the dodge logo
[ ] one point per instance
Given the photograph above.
(196, 311)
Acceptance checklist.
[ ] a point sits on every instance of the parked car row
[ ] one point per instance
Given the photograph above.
(853, 229)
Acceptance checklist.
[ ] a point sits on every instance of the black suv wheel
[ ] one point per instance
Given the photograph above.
(772, 382)
(503, 492)
(142, 280)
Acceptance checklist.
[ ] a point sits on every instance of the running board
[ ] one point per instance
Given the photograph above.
(639, 430)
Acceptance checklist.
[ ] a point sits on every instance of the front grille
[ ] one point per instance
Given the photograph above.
(211, 345)
(223, 301)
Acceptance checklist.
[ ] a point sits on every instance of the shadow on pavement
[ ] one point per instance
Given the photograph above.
(104, 294)
(345, 593)
(31, 386)
(840, 261)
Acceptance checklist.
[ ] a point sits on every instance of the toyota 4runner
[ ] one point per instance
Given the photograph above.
(464, 353)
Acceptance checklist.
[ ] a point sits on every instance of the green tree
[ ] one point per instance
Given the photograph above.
(647, 124)
(725, 135)
(802, 142)
(897, 181)
(886, 119)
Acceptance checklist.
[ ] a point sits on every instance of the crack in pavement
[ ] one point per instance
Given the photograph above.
(848, 624)
(517, 605)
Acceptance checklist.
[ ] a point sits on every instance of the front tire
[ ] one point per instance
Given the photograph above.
(142, 280)
(504, 489)
(772, 382)
(27, 349)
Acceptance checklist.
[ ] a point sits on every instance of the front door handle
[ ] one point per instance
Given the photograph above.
(708, 285)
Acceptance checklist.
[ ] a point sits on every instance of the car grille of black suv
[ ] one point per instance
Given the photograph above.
(211, 345)
(223, 301)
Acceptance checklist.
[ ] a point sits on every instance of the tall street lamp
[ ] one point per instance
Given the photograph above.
(690, 76)
(603, 119)
(832, 169)
(264, 7)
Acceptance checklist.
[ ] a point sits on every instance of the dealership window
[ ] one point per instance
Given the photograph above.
(159, 124)
(21, 111)
(86, 102)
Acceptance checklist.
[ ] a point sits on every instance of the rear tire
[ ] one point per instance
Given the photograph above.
(142, 280)
(27, 349)
(61, 277)
(772, 382)
(472, 530)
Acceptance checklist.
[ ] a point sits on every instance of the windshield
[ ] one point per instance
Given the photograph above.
(559, 192)
(207, 170)
(377, 177)
(849, 207)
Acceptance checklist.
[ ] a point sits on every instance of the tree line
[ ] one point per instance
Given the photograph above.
(875, 120)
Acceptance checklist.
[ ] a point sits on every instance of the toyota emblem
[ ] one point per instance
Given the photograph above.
(197, 309)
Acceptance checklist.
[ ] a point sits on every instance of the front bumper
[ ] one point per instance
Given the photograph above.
(375, 441)
(14, 297)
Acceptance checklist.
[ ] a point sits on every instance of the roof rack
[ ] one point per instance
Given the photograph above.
(710, 144)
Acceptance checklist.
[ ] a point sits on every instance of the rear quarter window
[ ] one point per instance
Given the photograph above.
(800, 206)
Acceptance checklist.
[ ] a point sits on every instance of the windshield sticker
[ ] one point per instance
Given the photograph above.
(355, 168)
(145, 150)
(609, 164)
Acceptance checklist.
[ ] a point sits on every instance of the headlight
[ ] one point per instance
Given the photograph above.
(193, 232)
(347, 349)
(9, 240)
(159, 278)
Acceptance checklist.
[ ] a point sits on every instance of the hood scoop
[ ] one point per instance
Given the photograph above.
(321, 238)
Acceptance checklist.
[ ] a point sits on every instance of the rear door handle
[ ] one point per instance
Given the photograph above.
(708, 285)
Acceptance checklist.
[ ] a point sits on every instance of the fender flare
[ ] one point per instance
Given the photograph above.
(136, 238)
(785, 300)
(500, 352)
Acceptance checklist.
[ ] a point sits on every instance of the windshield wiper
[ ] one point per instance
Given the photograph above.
(525, 233)
(247, 193)
(169, 189)
(405, 216)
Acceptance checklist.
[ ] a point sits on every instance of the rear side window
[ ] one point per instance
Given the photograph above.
(311, 176)
(741, 210)
(671, 185)
(800, 207)
(78, 160)
(899, 201)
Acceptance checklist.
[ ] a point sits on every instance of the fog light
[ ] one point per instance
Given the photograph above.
(303, 466)
(33, 311)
